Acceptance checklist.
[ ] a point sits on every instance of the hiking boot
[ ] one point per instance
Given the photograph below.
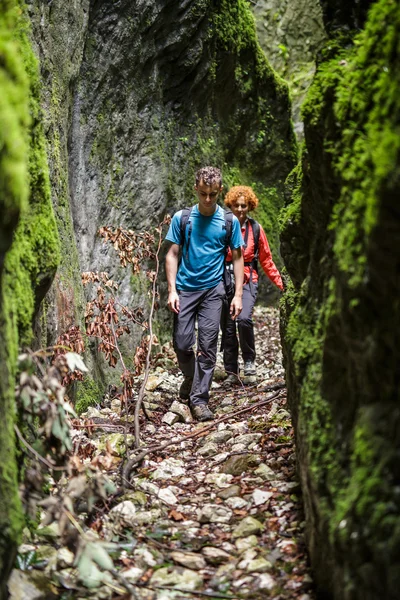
(201, 412)
(232, 379)
(185, 389)
(249, 369)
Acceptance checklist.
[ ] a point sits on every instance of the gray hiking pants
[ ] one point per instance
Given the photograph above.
(244, 323)
(206, 306)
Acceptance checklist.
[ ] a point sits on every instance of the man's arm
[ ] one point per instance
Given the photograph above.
(171, 268)
(238, 270)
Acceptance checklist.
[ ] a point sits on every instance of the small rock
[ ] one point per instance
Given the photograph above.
(116, 405)
(148, 486)
(176, 578)
(214, 513)
(246, 558)
(208, 450)
(221, 480)
(190, 560)
(229, 492)
(147, 517)
(266, 582)
(31, 585)
(153, 382)
(169, 468)
(243, 544)
(258, 565)
(65, 558)
(133, 574)
(215, 556)
(170, 418)
(265, 472)
(236, 465)
(182, 410)
(248, 438)
(248, 526)
(219, 437)
(168, 497)
(236, 502)
(116, 443)
(261, 497)
(150, 428)
(238, 448)
(144, 558)
(123, 513)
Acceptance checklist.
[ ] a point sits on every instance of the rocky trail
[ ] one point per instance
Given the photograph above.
(214, 515)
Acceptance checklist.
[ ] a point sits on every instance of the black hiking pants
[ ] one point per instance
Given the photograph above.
(245, 328)
(205, 306)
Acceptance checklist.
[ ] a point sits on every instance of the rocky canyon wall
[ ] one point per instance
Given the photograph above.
(137, 96)
(108, 124)
(341, 314)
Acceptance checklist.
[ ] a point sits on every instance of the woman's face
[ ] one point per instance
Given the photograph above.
(240, 208)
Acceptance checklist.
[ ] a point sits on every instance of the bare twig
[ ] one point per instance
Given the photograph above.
(48, 464)
(147, 368)
(138, 459)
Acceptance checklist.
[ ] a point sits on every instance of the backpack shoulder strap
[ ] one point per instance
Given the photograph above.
(185, 218)
(256, 235)
(228, 216)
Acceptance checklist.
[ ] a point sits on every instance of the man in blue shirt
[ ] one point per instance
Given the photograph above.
(196, 288)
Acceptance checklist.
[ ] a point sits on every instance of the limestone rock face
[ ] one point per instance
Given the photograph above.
(291, 33)
(340, 322)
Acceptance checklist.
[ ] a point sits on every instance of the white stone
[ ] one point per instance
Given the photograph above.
(214, 513)
(124, 513)
(190, 560)
(133, 574)
(182, 410)
(169, 468)
(236, 502)
(168, 497)
(182, 578)
(266, 582)
(144, 558)
(259, 565)
(221, 480)
(260, 497)
(153, 382)
(170, 418)
(265, 472)
(65, 558)
(208, 450)
(215, 556)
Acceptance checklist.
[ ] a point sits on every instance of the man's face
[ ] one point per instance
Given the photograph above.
(208, 196)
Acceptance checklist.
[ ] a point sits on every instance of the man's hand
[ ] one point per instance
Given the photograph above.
(173, 302)
(236, 307)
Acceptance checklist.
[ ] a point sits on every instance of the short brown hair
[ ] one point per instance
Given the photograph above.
(209, 175)
(241, 190)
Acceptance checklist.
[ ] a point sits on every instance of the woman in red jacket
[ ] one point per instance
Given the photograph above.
(241, 200)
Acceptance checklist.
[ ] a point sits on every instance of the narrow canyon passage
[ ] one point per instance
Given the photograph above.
(217, 514)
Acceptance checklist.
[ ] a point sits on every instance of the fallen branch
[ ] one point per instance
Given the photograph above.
(138, 459)
(194, 592)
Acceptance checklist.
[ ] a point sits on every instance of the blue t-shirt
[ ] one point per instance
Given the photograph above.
(202, 266)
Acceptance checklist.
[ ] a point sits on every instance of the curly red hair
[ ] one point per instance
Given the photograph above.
(237, 192)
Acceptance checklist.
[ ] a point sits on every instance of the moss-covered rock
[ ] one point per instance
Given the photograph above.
(341, 316)
(29, 250)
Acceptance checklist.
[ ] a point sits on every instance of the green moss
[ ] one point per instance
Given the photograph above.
(342, 192)
(32, 260)
(88, 393)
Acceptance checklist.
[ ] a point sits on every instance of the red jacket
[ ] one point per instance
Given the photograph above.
(264, 257)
